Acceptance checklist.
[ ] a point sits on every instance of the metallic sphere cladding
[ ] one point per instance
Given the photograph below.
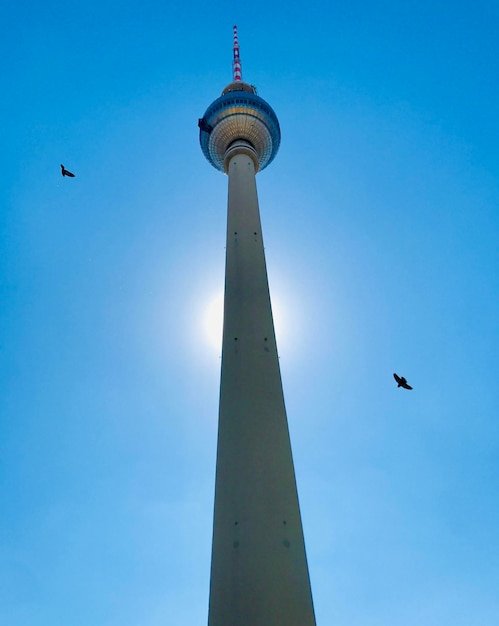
(239, 114)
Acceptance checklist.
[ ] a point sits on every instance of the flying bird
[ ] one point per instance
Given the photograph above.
(66, 172)
(401, 381)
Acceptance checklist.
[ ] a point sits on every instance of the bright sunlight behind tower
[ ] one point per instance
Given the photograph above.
(212, 322)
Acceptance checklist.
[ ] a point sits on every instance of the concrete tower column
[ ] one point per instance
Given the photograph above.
(259, 573)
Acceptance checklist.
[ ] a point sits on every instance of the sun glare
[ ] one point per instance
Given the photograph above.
(213, 322)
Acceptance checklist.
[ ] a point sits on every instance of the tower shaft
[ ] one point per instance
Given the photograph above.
(259, 573)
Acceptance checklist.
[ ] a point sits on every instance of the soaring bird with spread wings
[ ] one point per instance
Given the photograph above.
(401, 381)
(66, 172)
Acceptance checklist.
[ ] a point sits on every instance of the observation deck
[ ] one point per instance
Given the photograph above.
(239, 115)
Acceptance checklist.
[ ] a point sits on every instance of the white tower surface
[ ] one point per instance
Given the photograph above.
(259, 572)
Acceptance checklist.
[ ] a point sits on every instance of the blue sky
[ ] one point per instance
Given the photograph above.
(380, 219)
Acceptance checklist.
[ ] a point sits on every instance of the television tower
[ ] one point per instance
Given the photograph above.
(259, 572)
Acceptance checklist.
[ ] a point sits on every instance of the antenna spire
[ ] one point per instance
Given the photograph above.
(236, 63)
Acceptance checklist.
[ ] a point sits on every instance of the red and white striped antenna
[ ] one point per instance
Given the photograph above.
(236, 63)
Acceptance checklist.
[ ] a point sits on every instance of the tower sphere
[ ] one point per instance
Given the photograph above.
(239, 115)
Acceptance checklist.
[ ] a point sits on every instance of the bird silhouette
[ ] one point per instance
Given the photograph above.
(66, 172)
(401, 381)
